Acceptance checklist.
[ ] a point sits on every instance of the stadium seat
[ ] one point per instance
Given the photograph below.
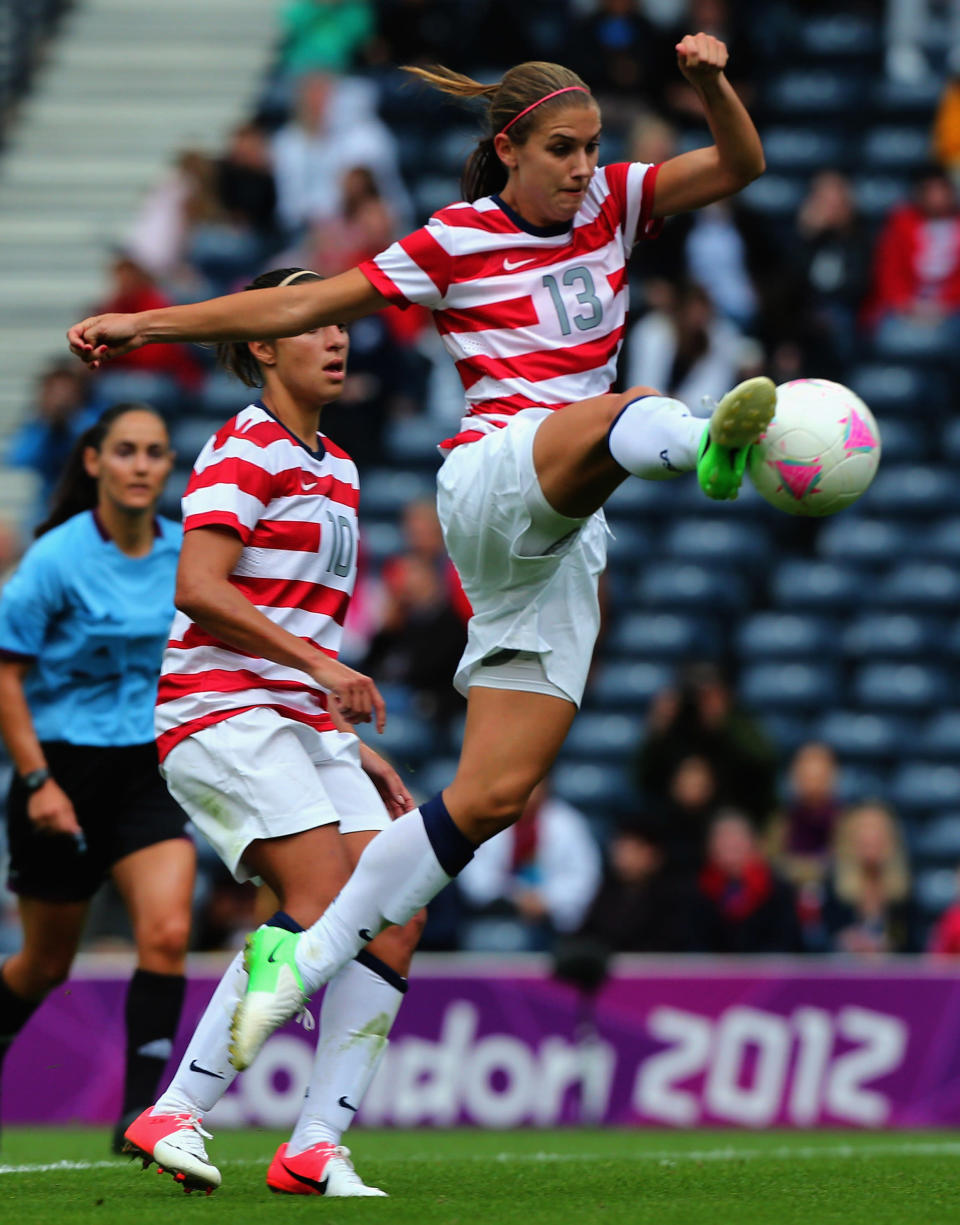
(188, 438)
(691, 587)
(900, 687)
(906, 441)
(386, 491)
(432, 776)
(634, 499)
(812, 91)
(413, 440)
(223, 395)
(903, 97)
(787, 731)
(861, 736)
(793, 686)
(847, 35)
(857, 784)
(816, 585)
(718, 540)
(599, 791)
(794, 150)
(861, 541)
(912, 489)
(659, 636)
(620, 684)
(938, 839)
(951, 440)
(940, 541)
(169, 504)
(939, 737)
(888, 387)
(774, 195)
(897, 147)
(935, 890)
(597, 736)
(893, 635)
(899, 338)
(158, 390)
(920, 586)
(406, 738)
(787, 636)
(380, 539)
(876, 194)
(628, 547)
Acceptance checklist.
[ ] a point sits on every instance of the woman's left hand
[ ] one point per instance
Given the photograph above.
(701, 57)
(394, 794)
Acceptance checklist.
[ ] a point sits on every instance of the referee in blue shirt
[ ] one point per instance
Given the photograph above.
(83, 625)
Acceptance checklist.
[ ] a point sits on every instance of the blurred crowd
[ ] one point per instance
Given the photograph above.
(727, 846)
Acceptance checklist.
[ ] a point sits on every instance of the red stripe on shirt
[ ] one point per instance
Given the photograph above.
(293, 593)
(649, 226)
(170, 739)
(492, 221)
(512, 313)
(294, 535)
(429, 257)
(546, 364)
(173, 685)
(217, 518)
(383, 284)
(249, 477)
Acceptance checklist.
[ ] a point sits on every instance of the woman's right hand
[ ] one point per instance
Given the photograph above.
(356, 696)
(99, 337)
(51, 812)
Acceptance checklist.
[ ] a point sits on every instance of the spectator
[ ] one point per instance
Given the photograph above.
(133, 289)
(916, 263)
(323, 35)
(535, 879)
(699, 717)
(58, 418)
(620, 49)
(868, 906)
(364, 225)
(418, 32)
(742, 906)
(834, 261)
(420, 640)
(335, 128)
(945, 937)
(907, 23)
(244, 180)
(685, 350)
(691, 802)
(721, 248)
(640, 907)
(424, 538)
(185, 196)
(804, 830)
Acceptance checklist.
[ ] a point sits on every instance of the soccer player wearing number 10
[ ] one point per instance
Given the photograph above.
(526, 281)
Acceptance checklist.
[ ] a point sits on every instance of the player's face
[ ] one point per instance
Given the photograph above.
(312, 366)
(551, 171)
(133, 463)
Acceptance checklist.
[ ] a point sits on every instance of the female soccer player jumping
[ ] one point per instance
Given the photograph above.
(527, 283)
(271, 778)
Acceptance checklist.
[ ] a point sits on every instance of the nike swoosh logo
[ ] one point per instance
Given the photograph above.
(346, 1105)
(510, 264)
(364, 935)
(319, 1187)
(308, 485)
(271, 958)
(195, 1067)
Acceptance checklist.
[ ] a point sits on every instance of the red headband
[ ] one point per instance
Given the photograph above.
(546, 98)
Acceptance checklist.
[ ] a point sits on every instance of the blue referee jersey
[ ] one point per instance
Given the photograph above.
(94, 623)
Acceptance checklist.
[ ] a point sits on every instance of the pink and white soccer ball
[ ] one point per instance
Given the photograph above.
(820, 451)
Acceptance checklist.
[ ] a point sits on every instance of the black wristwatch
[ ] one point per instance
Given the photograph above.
(35, 779)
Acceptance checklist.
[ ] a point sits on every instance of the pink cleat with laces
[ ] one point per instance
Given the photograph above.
(322, 1169)
(175, 1143)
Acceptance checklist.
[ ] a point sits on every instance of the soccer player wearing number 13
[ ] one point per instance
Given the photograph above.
(257, 754)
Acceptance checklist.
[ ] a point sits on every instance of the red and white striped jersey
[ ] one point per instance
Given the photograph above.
(295, 510)
(533, 316)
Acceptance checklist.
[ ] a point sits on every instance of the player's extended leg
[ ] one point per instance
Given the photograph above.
(156, 885)
(584, 451)
(408, 863)
(359, 1006)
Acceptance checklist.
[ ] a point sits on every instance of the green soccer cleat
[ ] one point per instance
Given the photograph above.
(737, 422)
(274, 994)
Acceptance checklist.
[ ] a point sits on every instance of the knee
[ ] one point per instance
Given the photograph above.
(162, 945)
(490, 805)
(39, 974)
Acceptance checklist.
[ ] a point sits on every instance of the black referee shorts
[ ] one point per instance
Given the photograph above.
(122, 805)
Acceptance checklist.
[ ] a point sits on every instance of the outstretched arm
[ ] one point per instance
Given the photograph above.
(735, 159)
(261, 315)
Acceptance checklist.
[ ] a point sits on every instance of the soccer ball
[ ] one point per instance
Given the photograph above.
(820, 451)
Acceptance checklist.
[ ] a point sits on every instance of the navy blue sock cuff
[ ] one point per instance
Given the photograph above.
(282, 919)
(386, 973)
(453, 849)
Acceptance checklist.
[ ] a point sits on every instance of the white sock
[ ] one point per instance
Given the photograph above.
(205, 1072)
(396, 875)
(655, 438)
(358, 1010)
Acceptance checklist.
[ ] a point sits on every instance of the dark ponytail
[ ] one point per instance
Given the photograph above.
(520, 90)
(234, 355)
(76, 489)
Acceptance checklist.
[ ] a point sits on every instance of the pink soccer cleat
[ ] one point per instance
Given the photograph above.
(323, 1169)
(175, 1143)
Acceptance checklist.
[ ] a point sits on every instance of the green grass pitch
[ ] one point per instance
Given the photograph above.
(510, 1178)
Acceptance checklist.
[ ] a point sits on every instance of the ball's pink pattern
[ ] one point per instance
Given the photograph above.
(799, 479)
(859, 436)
